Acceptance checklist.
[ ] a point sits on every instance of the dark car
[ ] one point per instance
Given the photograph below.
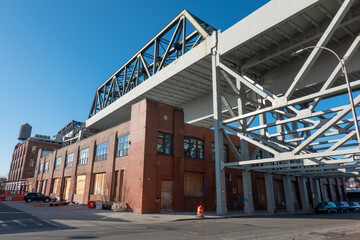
(328, 207)
(29, 197)
(342, 206)
(354, 206)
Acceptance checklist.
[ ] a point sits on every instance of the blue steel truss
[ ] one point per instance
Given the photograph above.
(181, 35)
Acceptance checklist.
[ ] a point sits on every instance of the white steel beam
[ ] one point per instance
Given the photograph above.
(322, 42)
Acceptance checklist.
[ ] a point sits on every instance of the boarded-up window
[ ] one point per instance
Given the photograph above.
(43, 186)
(80, 184)
(193, 184)
(98, 184)
(260, 191)
(66, 188)
(55, 185)
(279, 193)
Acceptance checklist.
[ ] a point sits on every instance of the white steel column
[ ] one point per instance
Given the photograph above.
(244, 146)
(290, 207)
(219, 142)
(304, 195)
(270, 195)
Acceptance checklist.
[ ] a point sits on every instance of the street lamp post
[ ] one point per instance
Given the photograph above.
(343, 68)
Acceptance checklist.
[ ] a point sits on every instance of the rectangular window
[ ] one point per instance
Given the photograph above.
(57, 163)
(33, 149)
(83, 156)
(164, 143)
(31, 162)
(193, 147)
(98, 184)
(80, 184)
(225, 152)
(122, 146)
(55, 185)
(69, 160)
(194, 184)
(101, 151)
(46, 168)
(41, 168)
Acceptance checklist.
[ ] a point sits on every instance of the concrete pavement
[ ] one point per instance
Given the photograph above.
(80, 213)
(79, 222)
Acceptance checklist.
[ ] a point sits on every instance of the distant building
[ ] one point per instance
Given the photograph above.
(2, 185)
(24, 156)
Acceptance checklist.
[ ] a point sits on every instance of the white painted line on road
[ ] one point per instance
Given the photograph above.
(51, 223)
(3, 224)
(19, 222)
(37, 223)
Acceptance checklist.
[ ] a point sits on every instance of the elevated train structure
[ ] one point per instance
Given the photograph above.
(296, 110)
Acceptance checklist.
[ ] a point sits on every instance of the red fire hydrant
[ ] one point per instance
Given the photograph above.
(200, 211)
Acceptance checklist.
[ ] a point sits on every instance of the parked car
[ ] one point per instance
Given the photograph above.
(354, 207)
(342, 206)
(328, 207)
(29, 197)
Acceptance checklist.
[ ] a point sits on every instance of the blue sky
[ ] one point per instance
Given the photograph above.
(54, 54)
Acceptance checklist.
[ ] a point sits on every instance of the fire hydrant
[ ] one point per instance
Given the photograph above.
(200, 211)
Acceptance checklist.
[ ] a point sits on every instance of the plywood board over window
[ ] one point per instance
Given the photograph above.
(279, 194)
(98, 184)
(260, 192)
(55, 185)
(166, 195)
(66, 189)
(80, 184)
(193, 184)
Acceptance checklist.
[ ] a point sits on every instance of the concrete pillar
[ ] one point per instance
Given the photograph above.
(248, 196)
(290, 207)
(317, 191)
(270, 195)
(304, 195)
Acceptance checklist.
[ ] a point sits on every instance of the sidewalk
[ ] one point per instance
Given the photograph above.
(76, 213)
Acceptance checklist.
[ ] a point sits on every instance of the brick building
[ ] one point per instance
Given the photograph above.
(23, 161)
(155, 162)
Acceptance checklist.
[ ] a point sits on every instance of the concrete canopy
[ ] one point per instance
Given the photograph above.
(256, 53)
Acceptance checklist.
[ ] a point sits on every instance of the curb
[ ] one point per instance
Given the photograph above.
(238, 216)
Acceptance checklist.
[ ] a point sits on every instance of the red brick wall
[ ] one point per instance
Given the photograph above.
(145, 169)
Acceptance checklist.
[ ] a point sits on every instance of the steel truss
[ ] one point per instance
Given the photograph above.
(182, 34)
(297, 136)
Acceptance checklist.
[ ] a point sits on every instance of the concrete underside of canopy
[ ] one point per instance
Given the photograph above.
(187, 82)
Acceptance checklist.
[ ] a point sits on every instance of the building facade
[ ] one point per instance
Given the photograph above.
(23, 162)
(155, 162)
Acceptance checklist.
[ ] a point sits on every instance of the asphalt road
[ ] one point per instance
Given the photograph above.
(297, 226)
(16, 221)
